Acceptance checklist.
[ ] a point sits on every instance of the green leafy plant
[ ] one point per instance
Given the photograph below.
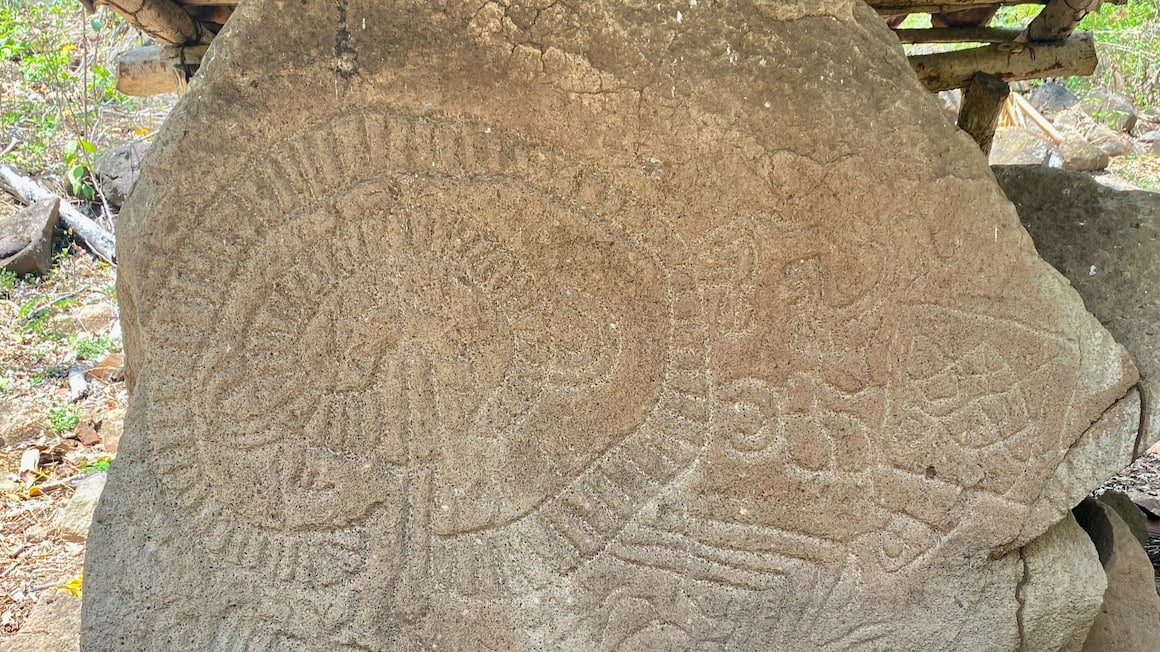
(64, 419)
(36, 313)
(78, 155)
(91, 348)
(7, 282)
(43, 376)
(53, 114)
(96, 464)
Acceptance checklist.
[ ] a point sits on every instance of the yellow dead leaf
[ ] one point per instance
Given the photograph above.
(73, 586)
(142, 131)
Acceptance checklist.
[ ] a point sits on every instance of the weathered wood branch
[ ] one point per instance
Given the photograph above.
(27, 190)
(164, 20)
(983, 99)
(154, 69)
(1059, 19)
(900, 7)
(1037, 118)
(1007, 61)
(958, 35)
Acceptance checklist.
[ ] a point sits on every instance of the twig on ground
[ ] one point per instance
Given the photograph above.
(27, 190)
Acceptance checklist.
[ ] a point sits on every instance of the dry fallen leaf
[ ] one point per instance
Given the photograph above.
(72, 586)
(30, 466)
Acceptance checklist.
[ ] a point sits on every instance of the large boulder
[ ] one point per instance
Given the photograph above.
(588, 326)
(1107, 243)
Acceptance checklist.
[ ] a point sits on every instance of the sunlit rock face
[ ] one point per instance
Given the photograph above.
(608, 326)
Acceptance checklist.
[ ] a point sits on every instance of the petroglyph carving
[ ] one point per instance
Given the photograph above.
(441, 364)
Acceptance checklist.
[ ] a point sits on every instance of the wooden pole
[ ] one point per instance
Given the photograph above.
(1007, 61)
(958, 35)
(27, 190)
(983, 99)
(154, 69)
(1059, 19)
(900, 7)
(1046, 127)
(164, 20)
(144, 72)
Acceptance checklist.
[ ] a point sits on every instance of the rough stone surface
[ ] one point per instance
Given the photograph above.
(1110, 109)
(1129, 620)
(1112, 142)
(1129, 513)
(19, 421)
(1019, 146)
(1107, 243)
(588, 327)
(1050, 98)
(1147, 120)
(117, 171)
(1079, 155)
(54, 625)
(950, 101)
(26, 238)
(78, 515)
(1062, 569)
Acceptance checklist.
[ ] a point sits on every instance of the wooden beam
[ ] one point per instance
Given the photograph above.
(900, 7)
(164, 20)
(1029, 111)
(1007, 61)
(1059, 19)
(983, 99)
(155, 69)
(958, 35)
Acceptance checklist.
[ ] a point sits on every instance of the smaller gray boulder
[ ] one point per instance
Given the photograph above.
(1110, 109)
(117, 171)
(1112, 142)
(1051, 98)
(1151, 142)
(1147, 121)
(26, 238)
(1077, 154)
